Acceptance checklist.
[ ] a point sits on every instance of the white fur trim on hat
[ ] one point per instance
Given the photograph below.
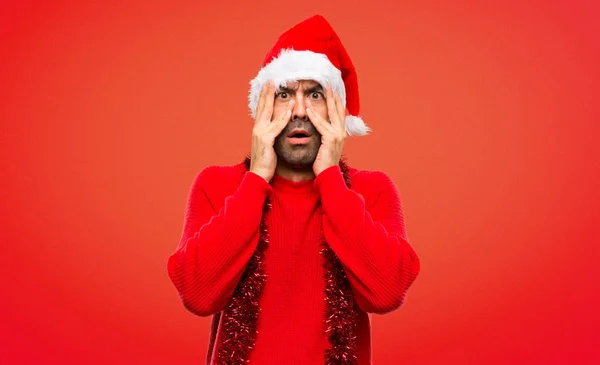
(292, 65)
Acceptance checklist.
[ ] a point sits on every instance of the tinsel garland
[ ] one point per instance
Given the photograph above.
(240, 317)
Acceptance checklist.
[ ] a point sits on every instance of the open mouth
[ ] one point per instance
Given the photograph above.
(298, 133)
(298, 137)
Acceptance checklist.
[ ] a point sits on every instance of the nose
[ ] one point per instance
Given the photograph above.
(299, 111)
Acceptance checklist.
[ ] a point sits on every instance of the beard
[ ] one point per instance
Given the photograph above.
(297, 156)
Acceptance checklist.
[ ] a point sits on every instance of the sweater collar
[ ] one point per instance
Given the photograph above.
(283, 184)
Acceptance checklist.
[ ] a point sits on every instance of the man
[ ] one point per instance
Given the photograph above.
(290, 250)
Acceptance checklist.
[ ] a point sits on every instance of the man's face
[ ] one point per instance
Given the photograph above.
(299, 150)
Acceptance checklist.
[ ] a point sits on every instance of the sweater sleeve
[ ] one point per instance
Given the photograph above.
(216, 245)
(371, 244)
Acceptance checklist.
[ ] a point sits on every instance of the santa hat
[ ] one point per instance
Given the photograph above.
(311, 50)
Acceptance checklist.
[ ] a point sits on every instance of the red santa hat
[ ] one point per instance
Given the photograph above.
(311, 50)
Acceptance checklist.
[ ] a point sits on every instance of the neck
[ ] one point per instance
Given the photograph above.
(294, 174)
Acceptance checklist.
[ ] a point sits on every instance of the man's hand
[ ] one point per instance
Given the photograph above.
(263, 158)
(333, 134)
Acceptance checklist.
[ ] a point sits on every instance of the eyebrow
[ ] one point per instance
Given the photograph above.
(311, 89)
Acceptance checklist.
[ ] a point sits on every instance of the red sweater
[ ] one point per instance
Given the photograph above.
(364, 226)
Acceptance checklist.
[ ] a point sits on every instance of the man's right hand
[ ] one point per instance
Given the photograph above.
(263, 158)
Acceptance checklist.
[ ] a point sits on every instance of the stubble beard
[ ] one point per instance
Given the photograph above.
(297, 156)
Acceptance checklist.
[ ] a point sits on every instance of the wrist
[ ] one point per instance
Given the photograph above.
(261, 174)
(328, 177)
(318, 170)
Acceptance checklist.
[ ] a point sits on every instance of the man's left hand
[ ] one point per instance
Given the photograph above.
(333, 133)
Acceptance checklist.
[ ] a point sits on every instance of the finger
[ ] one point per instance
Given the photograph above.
(267, 110)
(278, 124)
(341, 111)
(320, 124)
(270, 98)
(332, 108)
(261, 102)
(282, 120)
(317, 118)
(291, 105)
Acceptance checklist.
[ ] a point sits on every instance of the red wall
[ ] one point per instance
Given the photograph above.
(486, 116)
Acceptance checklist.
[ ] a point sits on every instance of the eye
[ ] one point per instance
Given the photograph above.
(317, 95)
(282, 95)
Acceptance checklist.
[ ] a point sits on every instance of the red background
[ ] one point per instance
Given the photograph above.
(485, 115)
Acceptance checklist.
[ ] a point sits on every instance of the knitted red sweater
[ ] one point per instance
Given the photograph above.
(363, 225)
